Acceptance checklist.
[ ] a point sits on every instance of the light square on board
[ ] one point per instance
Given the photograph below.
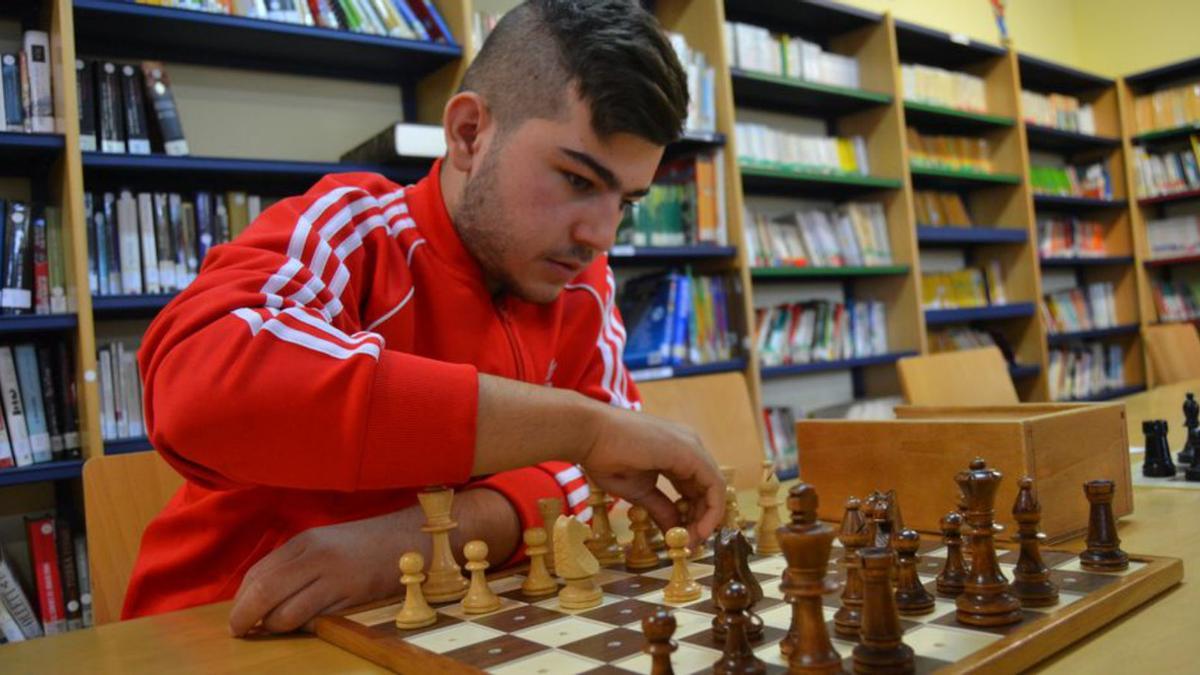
(553, 604)
(496, 651)
(456, 610)
(547, 663)
(687, 659)
(947, 644)
(565, 630)
(453, 637)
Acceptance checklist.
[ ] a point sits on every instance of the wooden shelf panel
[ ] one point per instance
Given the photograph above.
(128, 30)
(1014, 310)
(797, 97)
(950, 179)
(929, 235)
(1094, 334)
(1068, 203)
(1087, 262)
(939, 119)
(775, 372)
(38, 473)
(623, 254)
(1061, 140)
(826, 186)
(794, 273)
(687, 370)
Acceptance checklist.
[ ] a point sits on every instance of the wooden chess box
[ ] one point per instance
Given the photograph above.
(1061, 445)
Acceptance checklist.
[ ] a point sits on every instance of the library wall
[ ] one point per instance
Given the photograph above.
(1151, 33)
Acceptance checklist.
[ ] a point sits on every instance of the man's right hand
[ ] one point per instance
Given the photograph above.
(630, 450)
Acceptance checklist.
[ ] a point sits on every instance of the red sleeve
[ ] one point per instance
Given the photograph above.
(260, 372)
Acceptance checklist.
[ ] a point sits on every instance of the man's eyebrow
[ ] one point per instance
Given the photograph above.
(605, 174)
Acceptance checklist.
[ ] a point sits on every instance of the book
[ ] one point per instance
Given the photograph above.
(165, 246)
(128, 233)
(43, 555)
(108, 394)
(110, 107)
(168, 128)
(402, 140)
(16, 600)
(112, 235)
(70, 399)
(85, 580)
(10, 630)
(29, 387)
(41, 262)
(36, 51)
(68, 572)
(940, 86)
(14, 408)
(429, 16)
(147, 236)
(137, 132)
(10, 81)
(131, 389)
(16, 297)
(85, 92)
(61, 300)
(51, 404)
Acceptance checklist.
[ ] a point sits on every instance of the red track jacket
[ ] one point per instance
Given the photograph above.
(322, 368)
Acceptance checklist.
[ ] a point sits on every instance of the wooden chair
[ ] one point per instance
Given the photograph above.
(1174, 350)
(967, 377)
(121, 493)
(718, 407)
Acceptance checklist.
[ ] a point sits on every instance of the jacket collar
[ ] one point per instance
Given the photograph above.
(428, 208)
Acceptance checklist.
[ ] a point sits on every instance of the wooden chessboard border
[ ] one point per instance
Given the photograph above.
(1011, 654)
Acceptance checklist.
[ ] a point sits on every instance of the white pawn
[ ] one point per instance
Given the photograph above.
(479, 598)
(681, 587)
(538, 582)
(416, 613)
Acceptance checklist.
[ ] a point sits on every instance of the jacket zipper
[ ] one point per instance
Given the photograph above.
(512, 342)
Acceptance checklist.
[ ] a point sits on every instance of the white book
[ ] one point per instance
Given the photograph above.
(30, 382)
(118, 383)
(85, 579)
(131, 387)
(168, 276)
(108, 420)
(145, 208)
(10, 630)
(14, 408)
(130, 245)
(17, 603)
(36, 45)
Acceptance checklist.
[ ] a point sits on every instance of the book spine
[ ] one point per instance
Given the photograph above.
(120, 413)
(137, 134)
(56, 254)
(97, 246)
(158, 92)
(85, 580)
(85, 84)
(16, 297)
(411, 19)
(131, 387)
(378, 149)
(41, 266)
(112, 242)
(14, 408)
(50, 403)
(69, 397)
(41, 103)
(188, 237)
(26, 98)
(167, 276)
(130, 245)
(108, 411)
(44, 562)
(10, 79)
(10, 630)
(204, 225)
(29, 383)
(112, 121)
(14, 598)
(67, 572)
(149, 244)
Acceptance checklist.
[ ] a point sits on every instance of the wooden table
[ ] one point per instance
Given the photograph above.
(1156, 637)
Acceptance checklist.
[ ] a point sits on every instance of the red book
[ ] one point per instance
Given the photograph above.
(44, 558)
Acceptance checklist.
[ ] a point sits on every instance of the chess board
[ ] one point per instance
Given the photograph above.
(536, 636)
(1177, 481)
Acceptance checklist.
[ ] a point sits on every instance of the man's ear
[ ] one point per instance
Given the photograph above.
(466, 121)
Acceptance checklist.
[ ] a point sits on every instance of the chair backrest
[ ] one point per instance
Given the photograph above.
(966, 377)
(1174, 350)
(121, 494)
(718, 407)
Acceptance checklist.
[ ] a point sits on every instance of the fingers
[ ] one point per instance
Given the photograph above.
(299, 609)
(267, 585)
(661, 509)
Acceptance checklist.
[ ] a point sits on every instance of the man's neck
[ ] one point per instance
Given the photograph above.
(453, 184)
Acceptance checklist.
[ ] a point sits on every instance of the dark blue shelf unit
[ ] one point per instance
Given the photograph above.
(933, 47)
(634, 255)
(127, 445)
(1088, 262)
(669, 372)
(765, 92)
(1021, 371)
(1049, 77)
(928, 235)
(29, 154)
(129, 306)
(813, 19)
(133, 31)
(933, 119)
(1094, 334)
(1070, 142)
(1110, 394)
(1154, 78)
(1063, 203)
(39, 473)
(774, 372)
(1015, 310)
(787, 474)
(148, 172)
(37, 323)
(694, 141)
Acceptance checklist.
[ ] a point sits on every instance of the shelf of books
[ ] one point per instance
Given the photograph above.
(1161, 108)
(967, 167)
(825, 215)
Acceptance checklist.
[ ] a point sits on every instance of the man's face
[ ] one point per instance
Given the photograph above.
(547, 198)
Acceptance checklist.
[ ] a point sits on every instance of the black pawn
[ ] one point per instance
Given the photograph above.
(1191, 421)
(658, 629)
(738, 656)
(1157, 462)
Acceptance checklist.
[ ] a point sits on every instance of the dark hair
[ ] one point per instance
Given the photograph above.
(613, 51)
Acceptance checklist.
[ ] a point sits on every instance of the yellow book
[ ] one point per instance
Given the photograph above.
(239, 214)
(846, 159)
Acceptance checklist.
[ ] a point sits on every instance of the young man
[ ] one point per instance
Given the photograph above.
(363, 341)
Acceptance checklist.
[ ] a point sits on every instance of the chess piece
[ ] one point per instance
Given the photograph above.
(881, 648)
(806, 544)
(538, 582)
(853, 536)
(1103, 552)
(911, 596)
(1193, 472)
(1031, 578)
(658, 627)
(416, 613)
(641, 556)
(951, 580)
(576, 565)
(550, 508)
(479, 598)
(680, 587)
(1191, 421)
(738, 656)
(444, 582)
(880, 515)
(684, 507)
(985, 600)
(1157, 459)
(765, 540)
(731, 551)
(733, 518)
(603, 542)
(655, 536)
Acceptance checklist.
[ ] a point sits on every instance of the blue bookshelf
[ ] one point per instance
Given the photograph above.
(624, 254)
(1110, 394)
(1071, 142)
(928, 235)
(1100, 261)
(694, 141)
(1021, 371)
(1066, 203)
(127, 445)
(1094, 334)
(687, 370)
(37, 323)
(134, 31)
(128, 306)
(39, 473)
(1015, 310)
(775, 372)
(812, 18)
(28, 154)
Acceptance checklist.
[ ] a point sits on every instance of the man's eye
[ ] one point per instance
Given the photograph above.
(578, 182)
